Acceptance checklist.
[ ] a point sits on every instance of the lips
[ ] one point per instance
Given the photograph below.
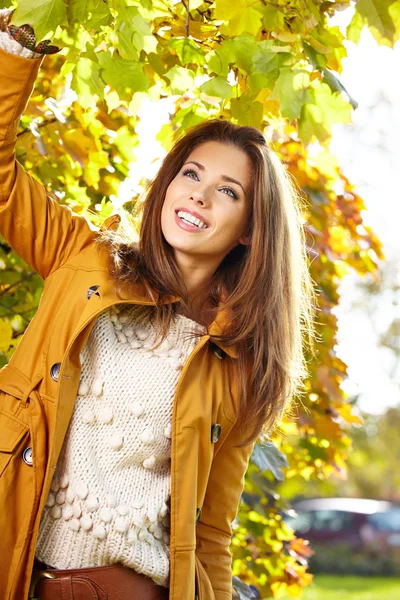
(191, 220)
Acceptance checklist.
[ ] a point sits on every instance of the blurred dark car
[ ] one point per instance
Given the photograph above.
(350, 530)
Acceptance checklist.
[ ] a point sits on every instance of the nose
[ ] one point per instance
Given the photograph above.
(199, 197)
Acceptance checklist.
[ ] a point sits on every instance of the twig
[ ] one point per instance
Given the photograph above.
(187, 16)
(18, 333)
(46, 122)
(28, 276)
(17, 314)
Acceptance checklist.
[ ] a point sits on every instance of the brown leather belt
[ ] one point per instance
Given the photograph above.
(114, 582)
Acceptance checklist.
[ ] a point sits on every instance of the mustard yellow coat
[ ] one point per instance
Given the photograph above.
(39, 386)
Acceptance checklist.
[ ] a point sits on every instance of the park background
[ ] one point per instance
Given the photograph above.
(320, 79)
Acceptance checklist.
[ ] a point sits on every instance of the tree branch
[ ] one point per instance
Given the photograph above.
(187, 16)
(25, 278)
(45, 122)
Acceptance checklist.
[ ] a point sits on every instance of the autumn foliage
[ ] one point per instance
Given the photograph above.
(272, 65)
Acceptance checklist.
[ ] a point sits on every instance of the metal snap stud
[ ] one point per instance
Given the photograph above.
(27, 456)
(55, 371)
(92, 291)
(198, 515)
(215, 432)
(218, 352)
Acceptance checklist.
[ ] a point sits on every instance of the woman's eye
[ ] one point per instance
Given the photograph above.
(191, 173)
(230, 192)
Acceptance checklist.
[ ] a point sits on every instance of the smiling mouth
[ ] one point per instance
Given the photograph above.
(189, 219)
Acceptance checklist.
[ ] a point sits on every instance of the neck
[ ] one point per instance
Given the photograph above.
(197, 281)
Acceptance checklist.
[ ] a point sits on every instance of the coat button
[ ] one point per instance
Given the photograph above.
(92, 290)
(55, 371)
(215, 432)
(198, 515)
(218, 352)
(27, 456)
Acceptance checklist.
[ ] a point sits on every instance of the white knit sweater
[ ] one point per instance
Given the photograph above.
(111, 489)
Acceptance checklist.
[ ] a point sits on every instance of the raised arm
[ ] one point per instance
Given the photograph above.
(44, 233)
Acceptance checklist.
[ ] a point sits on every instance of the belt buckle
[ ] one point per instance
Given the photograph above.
(36, 577)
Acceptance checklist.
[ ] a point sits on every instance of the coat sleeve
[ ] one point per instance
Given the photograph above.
(44, 233)
(221, 503)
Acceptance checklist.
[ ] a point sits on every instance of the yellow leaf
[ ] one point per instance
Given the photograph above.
(286, 36)
(277, 49)
(294, 590)
(79, 145)
(279, 589)
(249, 21)
(195, 4)
(225, 10)
(97, 161)
(112, 100)
(318, 46)
(5, 335)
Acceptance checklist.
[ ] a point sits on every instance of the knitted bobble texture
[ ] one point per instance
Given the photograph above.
(109, 499)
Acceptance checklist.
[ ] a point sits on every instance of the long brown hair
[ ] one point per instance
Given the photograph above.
(265, 285)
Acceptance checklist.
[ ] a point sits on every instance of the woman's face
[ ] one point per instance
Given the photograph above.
(204, 215)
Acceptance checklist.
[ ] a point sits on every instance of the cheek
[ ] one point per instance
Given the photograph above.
(235, 222)
(167, 200)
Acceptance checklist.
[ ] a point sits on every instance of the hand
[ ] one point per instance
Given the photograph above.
(25, 35)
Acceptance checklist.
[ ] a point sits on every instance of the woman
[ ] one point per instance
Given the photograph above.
(130, 409)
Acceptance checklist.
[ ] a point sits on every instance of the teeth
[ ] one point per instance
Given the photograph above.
(191, 219)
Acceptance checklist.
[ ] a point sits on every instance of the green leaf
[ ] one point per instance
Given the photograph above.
(166, 136)
(247, 112)
(258, 82)
(317, 60)
(156, 62)
(188, 117)
(101, 17)
(241, 51)
(181, 79)
(86, 81)
(43, 15)
(315, 452)
(377, 15)
(265, 60)
(267, 457)
(217, 87)
(124, 76)
(354, 28)
(87, 12)
(291, 90)
(131, 30)
(187, 51)
(273, 19)
(336, 86)
(218, 62)
(325, 110)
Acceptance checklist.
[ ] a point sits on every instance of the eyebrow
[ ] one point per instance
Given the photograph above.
(224, 177)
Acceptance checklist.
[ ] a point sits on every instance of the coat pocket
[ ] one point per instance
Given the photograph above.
(204, 590)
(13, 432)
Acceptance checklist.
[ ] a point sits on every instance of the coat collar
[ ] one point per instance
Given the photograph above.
(106, 295)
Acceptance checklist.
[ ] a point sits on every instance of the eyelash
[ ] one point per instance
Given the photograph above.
(233, 195)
